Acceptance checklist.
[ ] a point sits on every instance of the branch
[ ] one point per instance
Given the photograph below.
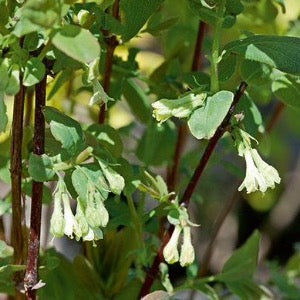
(197, 63)
(112, 43)
(151, 275)
(31, 276)
(231, 203)
(17, 238)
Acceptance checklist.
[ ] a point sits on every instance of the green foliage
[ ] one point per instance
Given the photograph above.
(162, 72)
(276, 51)
(205, 120)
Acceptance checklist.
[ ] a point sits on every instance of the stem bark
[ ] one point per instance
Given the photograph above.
(31, 275)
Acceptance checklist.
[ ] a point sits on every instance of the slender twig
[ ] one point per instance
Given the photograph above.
(231, 203)
(31, 276)
(151, 275)
(112, 43)
(17, 238)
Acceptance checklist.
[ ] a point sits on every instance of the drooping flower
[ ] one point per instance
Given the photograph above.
(187, 253)
(259, 175)
(70, 222)
(269, 173)
(57, 222)
(180, 108)
(170, 251)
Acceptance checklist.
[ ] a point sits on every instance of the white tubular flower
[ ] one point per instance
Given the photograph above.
(187, 253)
(179, 108)
(57, 223)
(103, 213)
(259, 175)
(89, 236)
(70, 222)
(269, 173)
(170, 251)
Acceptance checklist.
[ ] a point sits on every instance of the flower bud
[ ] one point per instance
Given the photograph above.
(70, 222)
(82, 227)
(57, 222)
(187, 253)
(170, 251)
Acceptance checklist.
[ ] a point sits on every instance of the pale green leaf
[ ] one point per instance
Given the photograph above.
(205, 120)
(34, 71)
(64, 129)
(78, 43)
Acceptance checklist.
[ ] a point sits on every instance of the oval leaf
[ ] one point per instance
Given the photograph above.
(34, 71)
(205, 120)
(77, 43)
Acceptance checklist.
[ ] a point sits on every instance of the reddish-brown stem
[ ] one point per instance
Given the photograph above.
(172, 174)
(17, 238)
(31, 275)
(151, 275)
(112, 43)
(211, 146)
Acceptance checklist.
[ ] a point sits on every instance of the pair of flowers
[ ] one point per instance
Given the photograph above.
(90, 214)
(178, 217)
(259, 175)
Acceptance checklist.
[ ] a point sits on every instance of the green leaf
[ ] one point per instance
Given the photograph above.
(205, 120)
(13, 85)
(137, 100)
(287, 89)
(281, 52)
(40, 167)
(34, 72)
(78, 43)
(106, 137)
(157, 144)
(64, 129)
(242, 264)
(89, 173)
(99, 95)
(135, 15)
(3, 115)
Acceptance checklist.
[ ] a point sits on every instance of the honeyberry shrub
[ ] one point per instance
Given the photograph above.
(102, 170)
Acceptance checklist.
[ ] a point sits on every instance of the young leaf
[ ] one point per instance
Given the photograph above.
(34, 71)
(77, 43)
(40, 167)
(281, 52)
(64, 129)
(205, 120)
(3, 115)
